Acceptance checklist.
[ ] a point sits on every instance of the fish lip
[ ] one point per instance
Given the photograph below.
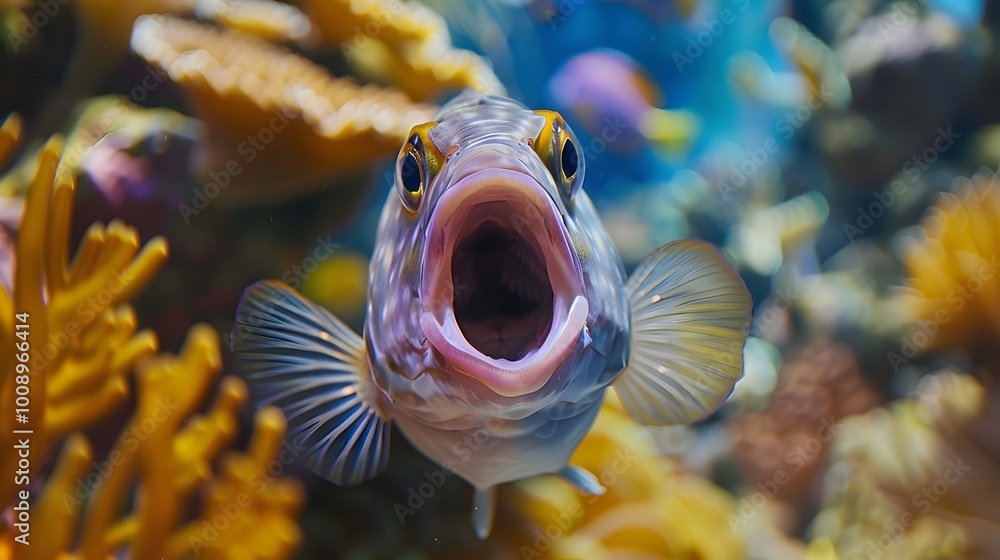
(570, 307)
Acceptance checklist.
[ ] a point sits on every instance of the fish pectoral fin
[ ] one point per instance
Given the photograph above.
(583, 480)
(690, 320)
(484, 508)
(299, 357)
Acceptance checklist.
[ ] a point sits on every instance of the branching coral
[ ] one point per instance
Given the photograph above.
(274, 111)
(652, 508)
(164, 455)
(954, 269)
(919, 478)
(403, 43)
(82, 338)
(80, 348)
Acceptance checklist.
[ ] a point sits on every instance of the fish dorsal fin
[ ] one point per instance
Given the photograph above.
(299, 357)
(690, 320)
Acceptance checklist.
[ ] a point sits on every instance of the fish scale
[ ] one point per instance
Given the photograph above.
(672, 359)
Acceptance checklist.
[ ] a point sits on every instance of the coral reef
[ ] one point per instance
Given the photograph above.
(73, 368)
(918, 479)
(953, 269)
(818, 386)
(653, 507)
(275, 22)
(270, 110)
(401, 43)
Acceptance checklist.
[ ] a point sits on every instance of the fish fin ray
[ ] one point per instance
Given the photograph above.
(582, 479)
(484, 507)
(299, 357)
(690, 320)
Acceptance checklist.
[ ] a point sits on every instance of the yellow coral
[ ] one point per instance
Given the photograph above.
(164, 454)
(82, 338)
(652, 508)
(276, 22)
(953, 269)
(918, 479)
(265, 107)
(79, 349)
(403, 43)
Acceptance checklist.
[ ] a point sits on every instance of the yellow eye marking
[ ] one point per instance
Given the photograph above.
(549, 145)
(433, 156)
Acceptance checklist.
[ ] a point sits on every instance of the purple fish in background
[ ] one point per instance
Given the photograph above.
(610, 94)
(116, 173)
(496, 302)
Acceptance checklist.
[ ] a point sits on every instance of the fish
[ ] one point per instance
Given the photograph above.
(614, 98)
(498, 312)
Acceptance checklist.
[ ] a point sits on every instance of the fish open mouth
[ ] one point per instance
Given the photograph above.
(502, 295)
(502, 290)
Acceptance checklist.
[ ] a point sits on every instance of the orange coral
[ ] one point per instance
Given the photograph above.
(82, 339)
(265, 107)
(403, 43)
(653, 508)
(953, 269)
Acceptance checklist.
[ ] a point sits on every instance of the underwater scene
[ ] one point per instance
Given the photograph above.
(499, 279)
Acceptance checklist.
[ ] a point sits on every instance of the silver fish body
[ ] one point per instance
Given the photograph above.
(499, 315)
(445, 414)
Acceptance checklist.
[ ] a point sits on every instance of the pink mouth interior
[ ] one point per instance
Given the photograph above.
(502, 291)
(502, 295)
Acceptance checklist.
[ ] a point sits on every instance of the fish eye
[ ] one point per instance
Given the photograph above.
(409, 173)
(569, 159)
(558, 149)
(419, 160)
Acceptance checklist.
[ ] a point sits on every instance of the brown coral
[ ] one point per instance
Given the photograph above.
(782, 448)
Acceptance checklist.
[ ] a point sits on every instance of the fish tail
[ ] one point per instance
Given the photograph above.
(299, 357)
